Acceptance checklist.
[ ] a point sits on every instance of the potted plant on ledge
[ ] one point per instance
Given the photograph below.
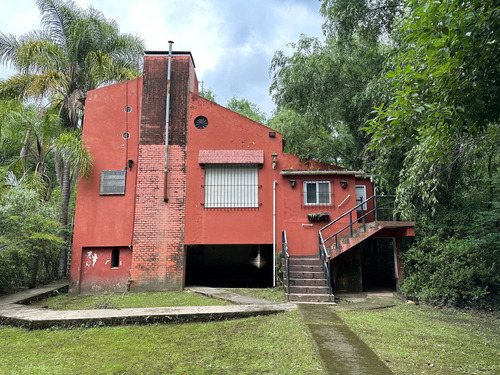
(318, 216)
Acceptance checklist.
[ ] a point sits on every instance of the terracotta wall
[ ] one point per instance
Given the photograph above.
(107, 220)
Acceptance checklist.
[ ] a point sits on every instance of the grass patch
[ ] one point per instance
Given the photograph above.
(422, 339)
(115, 301)
(271, 294)
(246, 346)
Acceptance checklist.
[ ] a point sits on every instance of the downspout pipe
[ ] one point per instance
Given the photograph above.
(274, 233)
(167, 118)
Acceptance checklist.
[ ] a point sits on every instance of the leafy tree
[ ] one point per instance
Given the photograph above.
(28, 135)
(207, 93)
(445, 93)
(76, 51)
(335, 84)
(247, 109)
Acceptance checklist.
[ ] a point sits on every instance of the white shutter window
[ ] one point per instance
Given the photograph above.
(231, 186)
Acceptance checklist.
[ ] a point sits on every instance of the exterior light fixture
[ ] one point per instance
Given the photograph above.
(275, 160)
(292, 183)
(130, 163)
(343, 183)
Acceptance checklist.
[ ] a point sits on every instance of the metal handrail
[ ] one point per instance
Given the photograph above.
(323, 255)
(284, 245)
(376, 209)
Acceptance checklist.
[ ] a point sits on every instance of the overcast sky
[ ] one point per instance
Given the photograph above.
(232, 41)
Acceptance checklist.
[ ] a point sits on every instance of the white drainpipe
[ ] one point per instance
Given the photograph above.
(274, 233)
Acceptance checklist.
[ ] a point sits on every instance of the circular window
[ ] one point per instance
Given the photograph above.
(128, 109)
(126, 135)
(201, 122)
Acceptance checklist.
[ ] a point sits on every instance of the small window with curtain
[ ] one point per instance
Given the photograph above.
(231, 186)
(317, 192)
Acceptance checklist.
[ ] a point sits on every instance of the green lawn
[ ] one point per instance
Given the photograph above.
(274, 344)
(425, 340)
(410, 339)
(108, 300)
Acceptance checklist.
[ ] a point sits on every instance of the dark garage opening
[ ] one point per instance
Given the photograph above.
(236, 266)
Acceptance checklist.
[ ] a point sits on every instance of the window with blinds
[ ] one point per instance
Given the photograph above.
(231, 186)
(112, 182)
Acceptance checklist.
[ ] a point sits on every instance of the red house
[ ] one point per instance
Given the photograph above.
(219, 203)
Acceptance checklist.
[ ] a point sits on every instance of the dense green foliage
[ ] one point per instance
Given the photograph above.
(430, 69)
(29, 238)
(442, 125)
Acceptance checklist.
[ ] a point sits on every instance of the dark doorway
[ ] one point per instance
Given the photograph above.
(230, 265)
(377, 263)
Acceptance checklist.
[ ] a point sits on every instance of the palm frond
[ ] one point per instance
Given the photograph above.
(50, 82)
(39, 55)
(8, 47)
(78, 154)
(57, 17)
(16, 87)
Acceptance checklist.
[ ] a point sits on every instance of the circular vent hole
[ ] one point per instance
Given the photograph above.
(201, 122)
(128, 109)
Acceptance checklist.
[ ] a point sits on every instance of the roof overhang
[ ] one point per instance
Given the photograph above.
(358, 174)
(231, 157)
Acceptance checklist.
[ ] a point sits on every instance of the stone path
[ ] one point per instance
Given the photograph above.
(14, 312)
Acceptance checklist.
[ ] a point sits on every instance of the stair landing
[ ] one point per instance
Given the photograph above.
(372, 229)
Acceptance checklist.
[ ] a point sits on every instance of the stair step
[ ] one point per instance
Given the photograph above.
(309, 289)
(308, 282)
(303, 261)
(306, 275)
(297, 297)
(306, 268)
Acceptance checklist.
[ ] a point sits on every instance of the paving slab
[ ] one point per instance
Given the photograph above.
(13, 312)
(228, 296)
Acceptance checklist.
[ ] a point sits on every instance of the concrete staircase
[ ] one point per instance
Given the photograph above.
(307, 280)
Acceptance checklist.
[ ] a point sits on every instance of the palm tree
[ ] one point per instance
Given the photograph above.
(76, 51)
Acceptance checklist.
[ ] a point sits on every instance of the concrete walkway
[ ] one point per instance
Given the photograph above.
(14, 311)
(341, 350)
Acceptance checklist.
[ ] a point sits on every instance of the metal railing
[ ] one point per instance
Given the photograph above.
(323, 255)
(284, 245)
(378, 209)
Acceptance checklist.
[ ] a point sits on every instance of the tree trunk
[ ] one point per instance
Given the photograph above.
(63, 219)
(35, 261)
